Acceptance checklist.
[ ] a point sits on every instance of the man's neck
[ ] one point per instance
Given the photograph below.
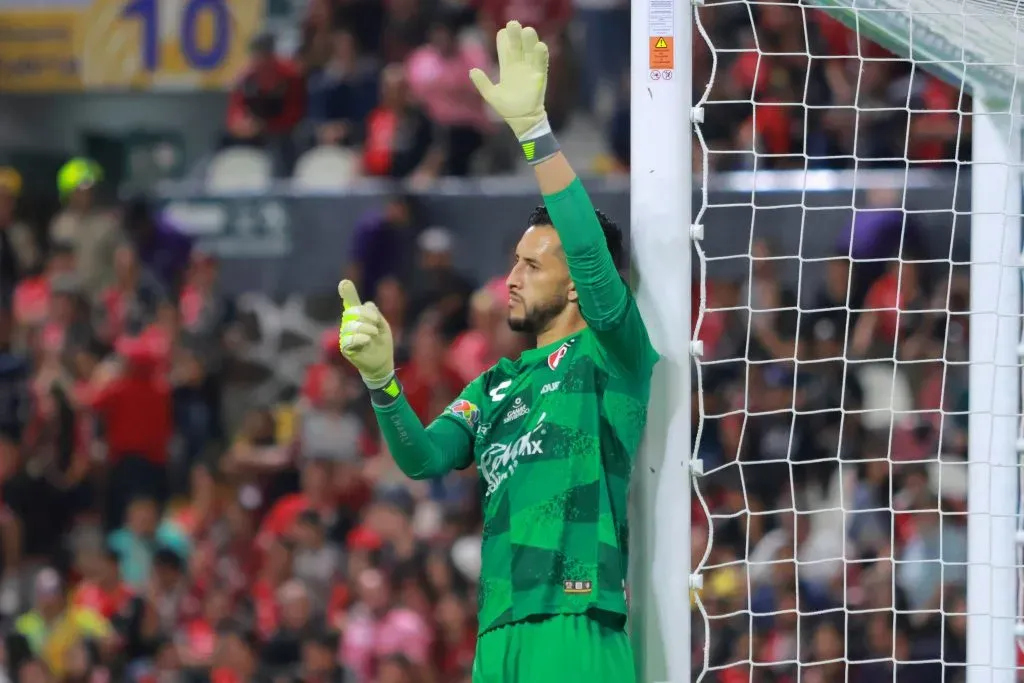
(560, 330)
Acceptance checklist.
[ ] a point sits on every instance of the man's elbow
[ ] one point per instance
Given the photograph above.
(422, 473)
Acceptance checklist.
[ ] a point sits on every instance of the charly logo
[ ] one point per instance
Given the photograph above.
(500, 460)
(498, 392)
(518, 410)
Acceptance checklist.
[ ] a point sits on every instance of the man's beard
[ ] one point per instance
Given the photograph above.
(537, 318)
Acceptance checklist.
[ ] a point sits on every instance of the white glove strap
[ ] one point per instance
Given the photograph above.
(540, 129)
(539, 143)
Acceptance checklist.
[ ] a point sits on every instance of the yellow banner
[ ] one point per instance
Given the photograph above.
(74, 45)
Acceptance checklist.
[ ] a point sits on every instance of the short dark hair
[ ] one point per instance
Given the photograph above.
(612, 232)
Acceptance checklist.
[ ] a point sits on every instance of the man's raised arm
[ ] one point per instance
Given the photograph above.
(605, 301)
(420, 452)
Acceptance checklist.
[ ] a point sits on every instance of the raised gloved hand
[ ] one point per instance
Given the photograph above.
(518, 96)
(365, 338)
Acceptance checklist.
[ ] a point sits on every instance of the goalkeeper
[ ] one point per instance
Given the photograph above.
(554, 433)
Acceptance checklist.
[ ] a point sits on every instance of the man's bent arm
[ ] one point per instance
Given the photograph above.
(604, 299)
(422, 452)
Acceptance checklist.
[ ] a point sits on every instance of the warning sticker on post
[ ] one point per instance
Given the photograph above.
(661, 20)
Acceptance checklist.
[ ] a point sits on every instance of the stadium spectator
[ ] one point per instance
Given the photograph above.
(266, 104)
(91, 230)
(442, 287)
(400, 139)
(134, 407)
(162, 249)
(437, 78)
(343, 92)
(382, 244)
(605, 49)
(53, 628)
(19, 252)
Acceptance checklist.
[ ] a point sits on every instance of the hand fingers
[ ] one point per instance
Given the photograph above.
(503, 50)
(530, 40)
(349, 295)
(350, 343)
(354, 328)
(514, 41)
(538, 56)
(482, 83)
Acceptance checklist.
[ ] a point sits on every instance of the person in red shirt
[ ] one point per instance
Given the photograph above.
(429, 383)
(316, 494)
(235, 659)
(32, 295)
(199, 634)
(889, 300)
(136, 410)
(267, 103)
(106, 593)
(400, 139)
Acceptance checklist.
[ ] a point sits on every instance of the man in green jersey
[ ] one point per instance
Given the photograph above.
(553, 434)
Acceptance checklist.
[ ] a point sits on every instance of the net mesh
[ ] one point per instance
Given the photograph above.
(837, 297)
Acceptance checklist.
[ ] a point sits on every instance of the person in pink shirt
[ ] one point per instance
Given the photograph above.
(437, 79)
(475, 350)
(378, 628)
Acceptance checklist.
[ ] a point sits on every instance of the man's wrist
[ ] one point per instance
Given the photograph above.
(383, 395)
(538, 142)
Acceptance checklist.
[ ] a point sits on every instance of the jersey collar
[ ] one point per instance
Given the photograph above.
(542, 352)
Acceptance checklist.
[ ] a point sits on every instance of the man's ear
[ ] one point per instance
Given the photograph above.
(573, 296)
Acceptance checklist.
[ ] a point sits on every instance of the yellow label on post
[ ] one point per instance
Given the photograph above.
(76, 45)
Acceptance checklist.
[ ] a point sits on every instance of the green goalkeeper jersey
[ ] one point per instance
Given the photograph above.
(553, 435)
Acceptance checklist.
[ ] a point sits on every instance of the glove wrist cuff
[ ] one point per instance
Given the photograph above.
(538, 129)
(539, 143)
(383, 395)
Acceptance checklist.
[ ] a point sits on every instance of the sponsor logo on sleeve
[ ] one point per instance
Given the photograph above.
(465, 411)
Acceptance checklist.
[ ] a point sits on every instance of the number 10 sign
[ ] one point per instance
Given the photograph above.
(125, 44)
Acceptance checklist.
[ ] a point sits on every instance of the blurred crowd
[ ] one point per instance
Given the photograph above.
(836, 438)
(387, 81)
(146, 536)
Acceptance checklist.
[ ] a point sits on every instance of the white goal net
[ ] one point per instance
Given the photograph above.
(858, 296)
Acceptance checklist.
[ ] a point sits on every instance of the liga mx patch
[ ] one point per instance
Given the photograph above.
(469, 413)
(578, 587)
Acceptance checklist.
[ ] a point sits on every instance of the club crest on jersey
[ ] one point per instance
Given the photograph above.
(558, 354)
(518, 410)
(465, 410)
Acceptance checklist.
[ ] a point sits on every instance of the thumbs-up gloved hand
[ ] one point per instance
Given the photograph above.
(365, 338)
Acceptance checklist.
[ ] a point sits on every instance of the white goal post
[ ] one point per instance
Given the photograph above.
(856, 396)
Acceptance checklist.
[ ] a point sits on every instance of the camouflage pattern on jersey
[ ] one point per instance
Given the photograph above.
(555, 434)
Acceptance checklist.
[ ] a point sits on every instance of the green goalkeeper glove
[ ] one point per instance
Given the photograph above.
(365, 338)
(518, 96)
